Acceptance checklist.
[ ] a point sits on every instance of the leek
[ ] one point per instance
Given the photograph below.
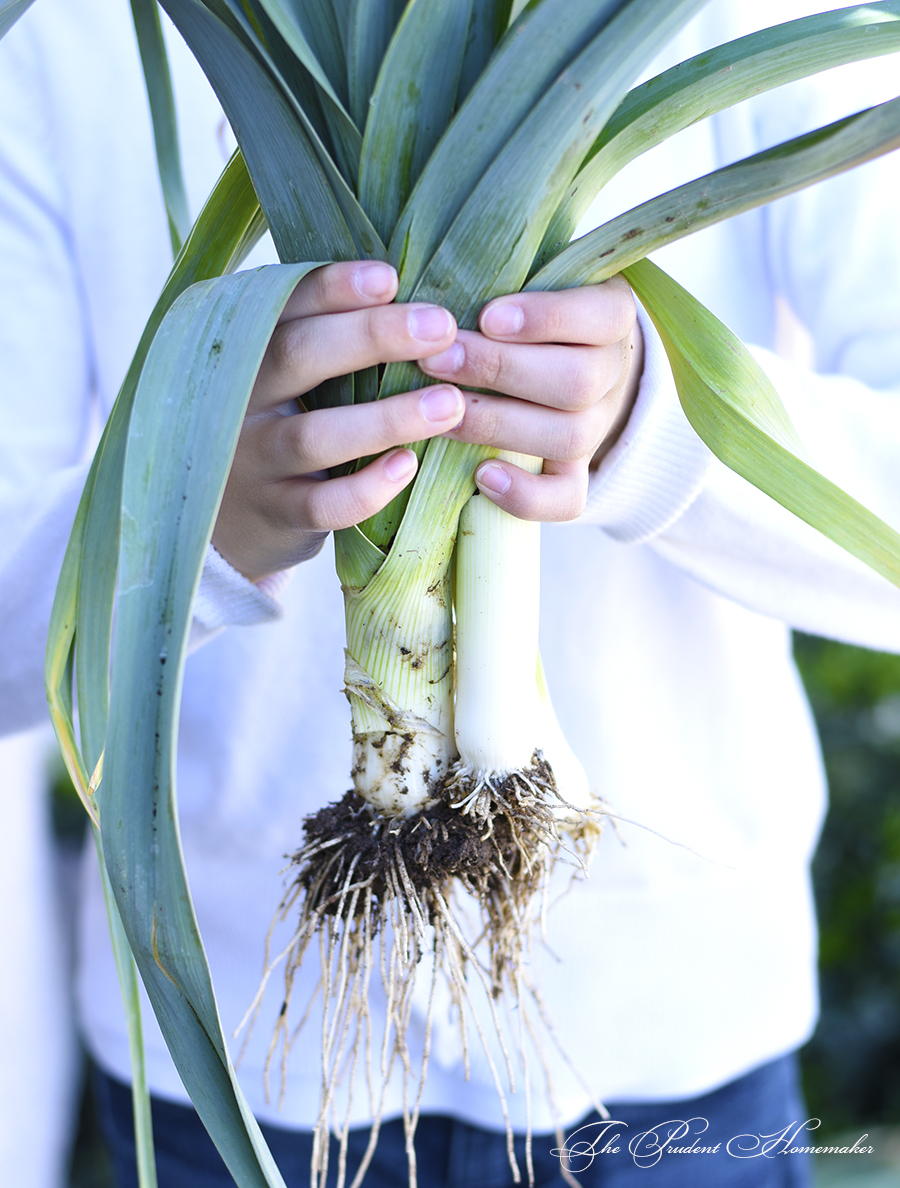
(461, 777)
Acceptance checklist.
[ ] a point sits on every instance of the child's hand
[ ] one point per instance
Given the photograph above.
(574, 361)
(570, 359)
(279, 504)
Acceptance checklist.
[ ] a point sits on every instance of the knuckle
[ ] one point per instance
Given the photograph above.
(386, 333)
(304, 433)
(490, 368)
(359, 500)
(345, 501)
(374, 330)
(570, 503)
(553, 320)
(322, 510)
(286, 353)
(579, 439)
(582, 389)
(620, 310)
(395, 421)
(320, 282)
(483, 421)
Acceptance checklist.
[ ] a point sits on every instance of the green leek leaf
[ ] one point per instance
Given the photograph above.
(193, 389)
(128, 981)
(714, 80)
(357, 560)
(10, 11)
(734, 408)
(761, 178)
(411, 104)
(370, 26)
(491, 244)
(311, 211)
(309, 57)
(542, 43)
(155, 64)
(487, 25)
(228, 226)
(311, 29)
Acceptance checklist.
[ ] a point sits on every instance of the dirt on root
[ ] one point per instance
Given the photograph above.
(435, 844)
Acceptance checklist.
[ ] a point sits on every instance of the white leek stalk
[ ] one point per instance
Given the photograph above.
(505, 724)
(496, 606)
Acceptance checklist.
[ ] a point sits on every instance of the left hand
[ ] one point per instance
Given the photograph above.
(572, 360)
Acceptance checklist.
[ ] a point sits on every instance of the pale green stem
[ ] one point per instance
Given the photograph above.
(400, 647)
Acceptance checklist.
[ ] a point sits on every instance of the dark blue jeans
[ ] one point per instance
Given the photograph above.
(739, 1136)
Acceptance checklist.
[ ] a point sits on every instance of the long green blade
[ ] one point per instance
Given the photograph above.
(193, 389)
(543, 42)
(487, 25)
(714, 80)
(155, 63)
(305, 46)
(311, 29)
(227, 228)
(411, 105)
(130, 986)
(761, 178)
(10, 11)
(492, 243)
(311, 211)
(370, 26)
(734, 408)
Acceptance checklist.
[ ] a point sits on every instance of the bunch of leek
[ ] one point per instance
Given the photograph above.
(463, 145)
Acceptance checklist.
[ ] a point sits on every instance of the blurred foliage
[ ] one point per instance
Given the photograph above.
(852, 1064)
(70, 821)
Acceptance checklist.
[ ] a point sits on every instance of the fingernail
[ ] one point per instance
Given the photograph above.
(440, 404)
(503, 319)
(374, 279)
(493, 478)
(447, 362)
(429, 323)
(400, 465)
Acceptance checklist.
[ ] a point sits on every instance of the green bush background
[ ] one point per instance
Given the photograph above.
(852, 1065)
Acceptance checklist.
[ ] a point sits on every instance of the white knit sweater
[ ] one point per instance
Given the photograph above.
(671, 969)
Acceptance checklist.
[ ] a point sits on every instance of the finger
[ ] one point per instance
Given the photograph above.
(593, 315)
(555, 495)
(319, 440)
(526, 428)
(569, 377)
(325, 505)
(336, 288)
(305, 351)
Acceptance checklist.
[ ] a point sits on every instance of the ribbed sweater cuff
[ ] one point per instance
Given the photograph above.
(227, 599)
(657, 467)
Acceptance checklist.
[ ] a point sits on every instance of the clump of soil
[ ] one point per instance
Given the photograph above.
(484, 850)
